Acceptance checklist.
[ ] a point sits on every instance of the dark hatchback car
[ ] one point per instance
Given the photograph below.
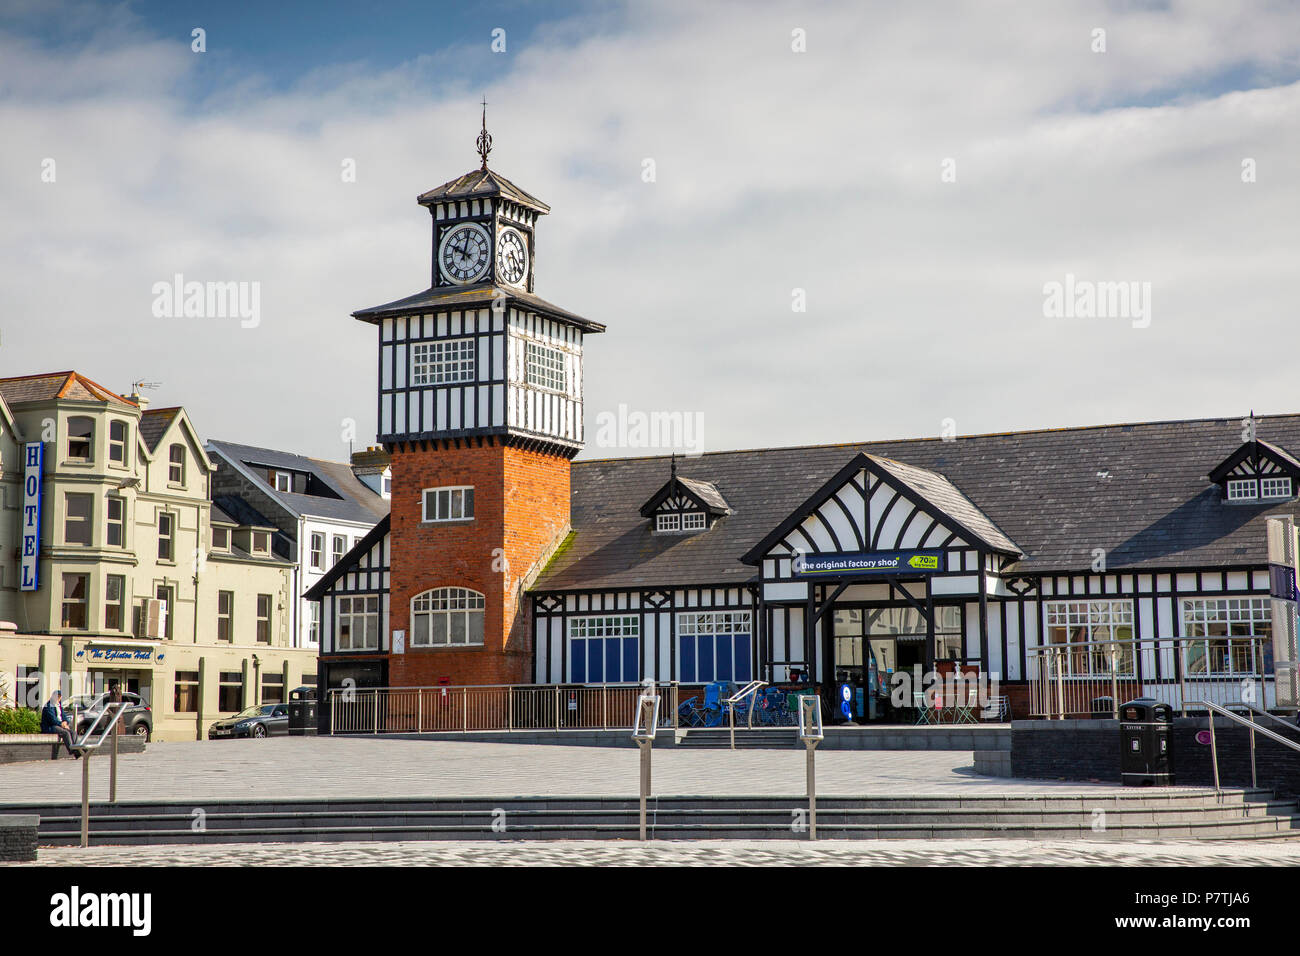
(137, 718)
(266, 720)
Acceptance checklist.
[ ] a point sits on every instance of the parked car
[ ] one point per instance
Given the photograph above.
(137, 717)
(265, 720)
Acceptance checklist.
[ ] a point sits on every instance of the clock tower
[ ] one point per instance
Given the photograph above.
(480, 406)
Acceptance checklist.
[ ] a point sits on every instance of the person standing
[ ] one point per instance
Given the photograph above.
(55, 721)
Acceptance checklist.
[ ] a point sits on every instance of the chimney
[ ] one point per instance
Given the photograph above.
(138, 399)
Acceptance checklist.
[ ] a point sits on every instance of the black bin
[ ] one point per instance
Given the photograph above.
(302, 712)
(1146, 743)
(1103, 708)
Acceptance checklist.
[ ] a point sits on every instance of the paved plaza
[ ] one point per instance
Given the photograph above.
(307, 767)
(683, 853)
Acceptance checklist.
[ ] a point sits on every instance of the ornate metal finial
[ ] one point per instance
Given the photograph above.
(673, 466)
(484, 142)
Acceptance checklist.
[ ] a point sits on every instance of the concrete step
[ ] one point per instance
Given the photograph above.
(1166, 814)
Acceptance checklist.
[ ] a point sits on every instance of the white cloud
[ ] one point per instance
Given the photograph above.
(775, 170)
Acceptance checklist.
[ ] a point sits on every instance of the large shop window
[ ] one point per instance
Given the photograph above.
(714, 645)
(1096, 637)
(447, 617)
(358, 623)
(1230, 636)
(605, 650)
(186, 693)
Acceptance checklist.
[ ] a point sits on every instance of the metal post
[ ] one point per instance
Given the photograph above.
(812, 789)
(604, 708)
(376, 693)
(731, 707)
(1182, 675)
(419, 711)
(85, 798)
(1254, 780)
(557, 707)
(1060, 687)
(464, 708)
(1114, 681)
(1214, 750)
(112, 760)
(644, 745)
(510, 709)
(674, 705)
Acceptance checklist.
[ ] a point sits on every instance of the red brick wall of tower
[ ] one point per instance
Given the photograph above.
(521, 511)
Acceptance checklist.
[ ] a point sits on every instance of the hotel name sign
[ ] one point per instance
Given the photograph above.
(848, 563)
(118, 654)
(29, 567)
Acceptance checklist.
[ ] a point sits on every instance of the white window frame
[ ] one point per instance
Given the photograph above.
(1250, 617)
(450, 504)
(1281, 485)
(260, 542)
(603, 627)
(316, 551)
(727, 624)
(287, 479)
(544, 367)
(443, 362)
(1099, 621)
(338, 547)
(668, 521)
(356, 609)
(439, 610)
(1243, 489)
(693, 521)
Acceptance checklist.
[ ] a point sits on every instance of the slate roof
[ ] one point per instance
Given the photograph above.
(154, 423)
(48, 386)
(1139, 491)
(232, 509)
(356, 501)
(481, 295)
(480, 184)
(937, 489)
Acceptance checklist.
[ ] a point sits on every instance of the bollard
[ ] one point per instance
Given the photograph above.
(643, 734)
(810, 732)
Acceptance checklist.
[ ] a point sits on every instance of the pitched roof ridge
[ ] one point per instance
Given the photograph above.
(864, 443)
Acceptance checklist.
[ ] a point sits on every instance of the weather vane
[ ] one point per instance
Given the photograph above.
(484, 143)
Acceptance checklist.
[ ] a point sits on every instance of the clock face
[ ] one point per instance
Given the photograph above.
(464, 253)
(512, 256)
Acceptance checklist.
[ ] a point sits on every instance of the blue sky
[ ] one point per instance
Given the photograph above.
(777, 171)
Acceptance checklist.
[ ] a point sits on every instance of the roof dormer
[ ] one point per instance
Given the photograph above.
(684, 505)
(1257, 471)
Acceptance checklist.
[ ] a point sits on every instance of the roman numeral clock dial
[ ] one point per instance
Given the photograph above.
(512, 256)
(465, 253)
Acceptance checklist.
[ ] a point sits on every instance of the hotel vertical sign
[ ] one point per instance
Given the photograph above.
(29, 568)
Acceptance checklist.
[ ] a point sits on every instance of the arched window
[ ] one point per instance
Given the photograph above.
(447, 617)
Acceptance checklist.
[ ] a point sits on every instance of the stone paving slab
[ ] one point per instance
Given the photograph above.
(730, 853)
(307, 767)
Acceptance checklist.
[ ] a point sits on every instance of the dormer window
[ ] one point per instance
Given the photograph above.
(1243, 489)
(220, 539)
(1257, 471)
(283, 481)
(685, 505)
(1275, 487)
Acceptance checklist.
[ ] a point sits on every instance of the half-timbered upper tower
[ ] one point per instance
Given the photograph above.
(480, 406)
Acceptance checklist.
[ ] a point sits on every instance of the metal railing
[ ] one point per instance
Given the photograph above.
(1092, 678)
(749, 690)
(1212, 709)
(87, 748)
(488, 707)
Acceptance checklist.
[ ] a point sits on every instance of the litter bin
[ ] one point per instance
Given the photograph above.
(302, 712)
(1103, 708)
(1146, 743)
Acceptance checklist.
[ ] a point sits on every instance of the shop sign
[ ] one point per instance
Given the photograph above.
(837, 563)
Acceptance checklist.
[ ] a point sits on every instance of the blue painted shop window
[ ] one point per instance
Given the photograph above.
(604, 660)
(706, 657)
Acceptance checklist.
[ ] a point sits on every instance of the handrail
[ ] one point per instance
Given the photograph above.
(1273, 717)
(1213, 709)
(749, 690)
(82, 745)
